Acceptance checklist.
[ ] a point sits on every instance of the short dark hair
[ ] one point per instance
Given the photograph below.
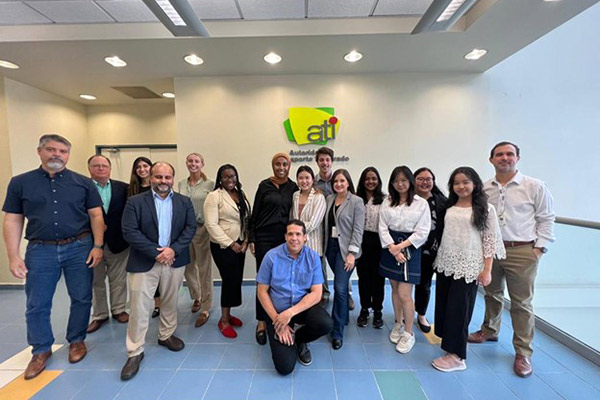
(324, 151)
(296, 222)
(98, 155)
(163, 163)
(505, 143)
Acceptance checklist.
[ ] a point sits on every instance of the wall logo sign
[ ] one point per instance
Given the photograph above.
(311, 125)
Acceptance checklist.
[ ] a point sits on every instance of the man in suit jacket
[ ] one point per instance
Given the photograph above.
(159, 226)
(114, 260)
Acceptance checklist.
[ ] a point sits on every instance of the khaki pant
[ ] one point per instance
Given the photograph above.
(198, 273)
(518, 273)
(142, 286)
(112, 265)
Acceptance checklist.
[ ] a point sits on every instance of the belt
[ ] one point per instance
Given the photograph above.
(509, 243)
(61, 241)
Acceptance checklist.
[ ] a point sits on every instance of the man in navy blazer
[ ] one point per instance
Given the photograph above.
(114, 260)
(159, 226)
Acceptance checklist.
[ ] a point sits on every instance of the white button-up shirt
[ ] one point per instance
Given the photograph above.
(525, 209)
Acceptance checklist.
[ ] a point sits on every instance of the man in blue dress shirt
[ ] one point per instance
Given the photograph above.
(65, 230)
(290, 284)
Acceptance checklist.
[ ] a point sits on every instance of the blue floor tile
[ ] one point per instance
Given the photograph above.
(484, 385)
(100, 385)
(530, 388)
(441, 385)
(311, 385)
(240, 356)
(350, 356)
(384, 356)
(229, 385)
(269, 385)
(356, 385)
(204, 356)
(569, 386)
(65, 386)
(159, 357)
(187, 385)
(148, 384)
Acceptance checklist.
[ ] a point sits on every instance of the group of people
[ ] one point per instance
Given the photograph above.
(92, 229)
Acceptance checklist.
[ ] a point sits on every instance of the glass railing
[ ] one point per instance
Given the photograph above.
(567, 292)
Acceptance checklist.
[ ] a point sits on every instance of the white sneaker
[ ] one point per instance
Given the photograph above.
(449, 363)
(406, 343)
(396, 332)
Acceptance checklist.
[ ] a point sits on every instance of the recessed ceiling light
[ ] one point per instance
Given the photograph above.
(273, 58)
(8, 64)
(353, 56)
(168, 95)
(87, 97)
(115, 61)
(193, 59)
(475, 54)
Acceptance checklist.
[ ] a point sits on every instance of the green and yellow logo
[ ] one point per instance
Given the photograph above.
(311, 125)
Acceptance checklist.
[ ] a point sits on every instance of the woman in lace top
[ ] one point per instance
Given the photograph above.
(308, 205)
(470, 240)
(370, 283)
(404, 223)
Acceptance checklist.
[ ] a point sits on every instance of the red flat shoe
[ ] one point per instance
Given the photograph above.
(227, 331)
(235, 321)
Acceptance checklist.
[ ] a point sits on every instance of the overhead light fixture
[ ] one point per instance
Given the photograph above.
(168, 95)
(115, 61)
(8, 64)
(193, 59)
(353, 56)
(87, 97)
(475, 54)
(178, 17)
(442, 15)
(272, 58)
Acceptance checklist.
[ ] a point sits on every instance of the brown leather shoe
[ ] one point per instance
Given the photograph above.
(76, 352)
(96, 324)
(173, 343)
(202, 319)
(36, 365)
(480, 337)
(523, 366)
(196, 306)
(121, 317)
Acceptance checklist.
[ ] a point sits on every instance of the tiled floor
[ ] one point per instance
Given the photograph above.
(213, 367)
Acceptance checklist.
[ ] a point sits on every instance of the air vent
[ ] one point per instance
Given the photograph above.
(137, 92)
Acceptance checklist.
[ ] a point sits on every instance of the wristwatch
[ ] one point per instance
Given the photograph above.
(542, 249)
(99, 246)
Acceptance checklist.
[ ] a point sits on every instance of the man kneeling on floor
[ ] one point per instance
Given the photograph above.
(290, 283)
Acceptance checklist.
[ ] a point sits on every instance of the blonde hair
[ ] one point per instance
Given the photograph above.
(201, 157)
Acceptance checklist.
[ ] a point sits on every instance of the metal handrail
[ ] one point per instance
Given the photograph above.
(578, 222)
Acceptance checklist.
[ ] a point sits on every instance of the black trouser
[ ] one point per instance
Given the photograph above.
(423, 289)
(454, 303)
(265, 241)
(370, 283)
(231, 268)
(315, 322)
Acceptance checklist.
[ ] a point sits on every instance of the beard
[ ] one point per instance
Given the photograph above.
(161, 188)
(55, 164)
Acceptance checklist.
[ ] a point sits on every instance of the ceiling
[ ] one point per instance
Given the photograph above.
(60, 45)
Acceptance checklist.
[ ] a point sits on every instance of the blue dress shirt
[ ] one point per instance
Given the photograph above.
(164, 214)
(289, 279)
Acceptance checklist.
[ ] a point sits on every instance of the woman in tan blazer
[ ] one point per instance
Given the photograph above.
(226, 212)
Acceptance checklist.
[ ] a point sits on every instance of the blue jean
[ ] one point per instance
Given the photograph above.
(339, 313)
(45, 263)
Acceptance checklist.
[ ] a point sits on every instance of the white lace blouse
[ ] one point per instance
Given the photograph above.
(464, 248)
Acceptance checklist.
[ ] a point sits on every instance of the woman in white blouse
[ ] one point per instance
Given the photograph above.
(308, 205)
(404, 224)
(470, 241)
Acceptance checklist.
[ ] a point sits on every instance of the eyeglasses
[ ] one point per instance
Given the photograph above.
(422, 180)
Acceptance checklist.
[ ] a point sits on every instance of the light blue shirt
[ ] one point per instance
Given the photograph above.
(164, 214)
(289, 279)
(105, 194)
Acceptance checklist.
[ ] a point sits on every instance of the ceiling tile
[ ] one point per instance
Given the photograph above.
(402, 7)
(215, 9)
(127, 10)
(71, 12)
(272, 9)
(339, 8)
(20, 14)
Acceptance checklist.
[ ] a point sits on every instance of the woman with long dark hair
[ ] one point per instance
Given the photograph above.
(428, 190)
(370, 284)
(272, 205)
(226, 213)
(404, 222)
(344, 226)
(470, 241)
